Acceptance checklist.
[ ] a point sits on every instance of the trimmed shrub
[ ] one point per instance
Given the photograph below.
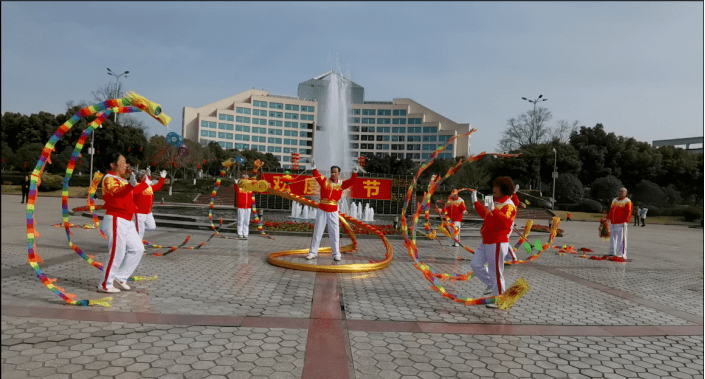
(653, 211)
(692, 213)
(51, 182)
(589, 206)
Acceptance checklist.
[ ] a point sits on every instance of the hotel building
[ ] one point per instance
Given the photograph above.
(281, 125)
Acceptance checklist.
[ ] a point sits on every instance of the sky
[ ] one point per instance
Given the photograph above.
(635, 67)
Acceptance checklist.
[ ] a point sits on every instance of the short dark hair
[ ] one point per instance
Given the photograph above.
(332, 167)
(505, 184)
(110, 158)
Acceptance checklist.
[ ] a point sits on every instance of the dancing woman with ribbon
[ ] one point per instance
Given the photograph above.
(124, 244)
(144, 200)
(495, 231)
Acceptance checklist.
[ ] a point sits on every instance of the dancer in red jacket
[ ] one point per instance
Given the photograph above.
(144, 220)
(455, 210)
(495, 242)
(619, 216)
(328, 210)
(243, 201)
(124, 245)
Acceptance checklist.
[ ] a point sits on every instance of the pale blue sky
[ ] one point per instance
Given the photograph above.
(635, 67)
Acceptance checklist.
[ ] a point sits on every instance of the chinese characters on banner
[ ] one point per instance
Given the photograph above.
(306, 185)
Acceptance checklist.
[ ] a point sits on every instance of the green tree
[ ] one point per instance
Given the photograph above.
(647, 192)
(605, 189)
(569, 189)
(27, 156)
(7, 155)
(388, 164)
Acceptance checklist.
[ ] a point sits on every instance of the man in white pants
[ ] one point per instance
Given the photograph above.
(125, 247)
(619, 216)
(327, 214)
(498, 220)
(144, 220)
(243, 201)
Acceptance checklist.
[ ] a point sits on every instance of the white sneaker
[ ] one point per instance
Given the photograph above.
(122, 285)
(487, 291)
(311, 256)
(491, 305)
(337, 259)
(239, 236)
(110, 289)
(456, 244)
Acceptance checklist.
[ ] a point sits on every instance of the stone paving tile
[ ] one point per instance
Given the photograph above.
(187, 354)
(463, 356)
(396, 294)
(189, 283)
(683, 291)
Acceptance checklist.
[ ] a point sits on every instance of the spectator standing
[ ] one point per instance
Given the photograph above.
(642, 215)
(24, 184)
(636, 216)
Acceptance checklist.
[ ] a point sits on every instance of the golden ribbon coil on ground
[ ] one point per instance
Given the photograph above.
(274, 258)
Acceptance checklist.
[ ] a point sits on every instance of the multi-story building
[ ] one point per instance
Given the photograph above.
(282, 125)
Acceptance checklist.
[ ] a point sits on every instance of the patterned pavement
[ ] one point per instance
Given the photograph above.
(223, 312)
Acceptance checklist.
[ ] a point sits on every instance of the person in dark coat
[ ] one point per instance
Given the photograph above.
(25, 188)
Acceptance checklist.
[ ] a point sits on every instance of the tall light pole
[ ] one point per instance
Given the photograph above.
(533, 120)
(117, 86)
(91, 150)
(555, 175)
(536, 100)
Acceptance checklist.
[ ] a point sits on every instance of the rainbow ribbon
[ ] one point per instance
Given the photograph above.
(131, 103)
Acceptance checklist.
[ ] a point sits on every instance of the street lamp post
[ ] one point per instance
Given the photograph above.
(533, 119)
(117, 86)
(91, 150)
(555, 175)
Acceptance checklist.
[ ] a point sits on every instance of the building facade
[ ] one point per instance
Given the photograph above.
(282, 125)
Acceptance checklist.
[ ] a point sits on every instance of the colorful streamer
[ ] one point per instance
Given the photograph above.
(125, 105)
(505, 300)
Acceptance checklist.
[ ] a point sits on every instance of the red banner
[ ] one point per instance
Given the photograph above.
(306, 185)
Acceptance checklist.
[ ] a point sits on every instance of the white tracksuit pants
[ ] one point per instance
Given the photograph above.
(492, 274)
(243, 221)
(324, 218)
(618, 240)
(457, 223)
(125, 250)
(144, 222)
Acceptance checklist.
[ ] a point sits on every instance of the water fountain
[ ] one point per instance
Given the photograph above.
(332, 143)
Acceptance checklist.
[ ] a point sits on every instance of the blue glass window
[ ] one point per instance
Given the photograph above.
(399, 121)
(400, 112)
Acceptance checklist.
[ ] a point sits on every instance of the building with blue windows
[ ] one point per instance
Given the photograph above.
(281, 125)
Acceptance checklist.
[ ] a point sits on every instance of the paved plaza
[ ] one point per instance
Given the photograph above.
(222, 311)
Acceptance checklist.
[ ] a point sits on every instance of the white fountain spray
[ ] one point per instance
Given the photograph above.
(332, 144)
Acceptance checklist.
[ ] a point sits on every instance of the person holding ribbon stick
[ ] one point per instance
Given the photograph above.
(327, 214)
(498, 220)
(619, 216)
(144, 220)
(125, 246)
(243, 201)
